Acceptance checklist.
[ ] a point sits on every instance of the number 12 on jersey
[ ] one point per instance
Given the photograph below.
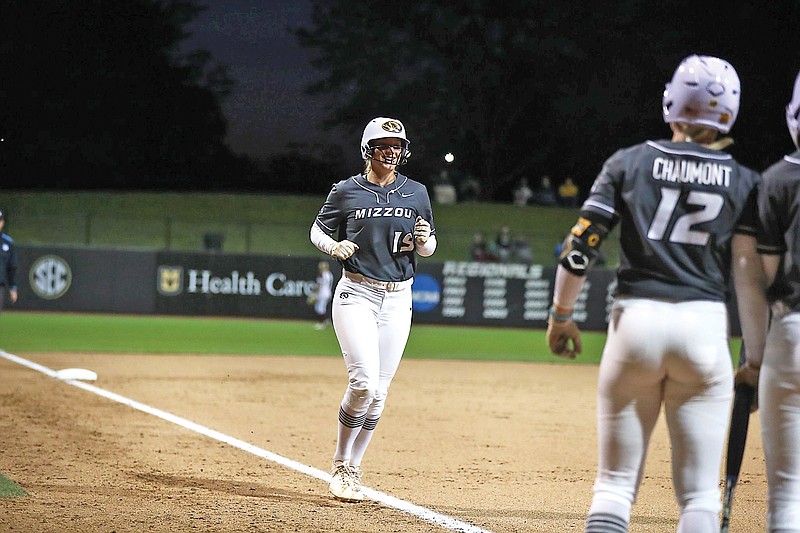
(682, 232)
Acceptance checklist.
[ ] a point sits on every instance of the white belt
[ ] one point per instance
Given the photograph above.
(390, 286)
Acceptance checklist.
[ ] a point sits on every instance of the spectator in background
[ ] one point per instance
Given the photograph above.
(480, 252)
(568, 193)
(469, 189)
(502, 244)
(321, 296)
(8, 265)
(523, 193)
(545, 194)
(559, 247)
(443, 190)
(521, 250)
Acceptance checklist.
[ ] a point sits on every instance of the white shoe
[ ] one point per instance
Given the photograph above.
(346, 482)
(355, 476)
(319, 326)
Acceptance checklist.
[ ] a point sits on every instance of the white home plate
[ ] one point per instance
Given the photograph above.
(76, 373)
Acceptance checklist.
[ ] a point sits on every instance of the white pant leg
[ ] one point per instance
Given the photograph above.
(698, 392)
(628, 404)
(355, 321)
(779, 405)
(394, 326)
(671, 352)
(372, 326)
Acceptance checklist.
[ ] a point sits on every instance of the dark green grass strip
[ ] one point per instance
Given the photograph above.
(9, 489)
(30, 332)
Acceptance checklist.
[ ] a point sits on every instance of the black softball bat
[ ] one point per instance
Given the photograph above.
(737, 436)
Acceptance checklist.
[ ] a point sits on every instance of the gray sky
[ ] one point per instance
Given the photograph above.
(268, 107)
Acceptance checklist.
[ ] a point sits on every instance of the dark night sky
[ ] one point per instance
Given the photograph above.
(268, 107)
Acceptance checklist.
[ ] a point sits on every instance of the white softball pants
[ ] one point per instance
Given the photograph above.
(779, 405)
(675, 354)
(372, 326)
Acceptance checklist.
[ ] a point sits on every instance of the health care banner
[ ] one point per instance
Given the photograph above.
(486, 294)
(270, 286)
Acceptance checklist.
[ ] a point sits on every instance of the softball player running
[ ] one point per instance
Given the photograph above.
(380, 220)
(779, 386)
(686, 211)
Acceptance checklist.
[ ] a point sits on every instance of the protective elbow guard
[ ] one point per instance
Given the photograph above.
(582, 245)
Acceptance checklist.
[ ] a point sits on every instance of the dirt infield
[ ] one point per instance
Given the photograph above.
(507, 447)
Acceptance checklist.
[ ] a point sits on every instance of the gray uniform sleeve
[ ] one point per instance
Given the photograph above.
(330, 215)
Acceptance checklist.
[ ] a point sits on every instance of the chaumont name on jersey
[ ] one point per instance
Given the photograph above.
(374, 212)
(685, 171)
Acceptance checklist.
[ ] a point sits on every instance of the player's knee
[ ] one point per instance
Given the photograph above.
(378, 402)
(359, 398)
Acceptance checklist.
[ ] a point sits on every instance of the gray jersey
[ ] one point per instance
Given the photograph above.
(779, 230)
(678, 206)
(380, 220)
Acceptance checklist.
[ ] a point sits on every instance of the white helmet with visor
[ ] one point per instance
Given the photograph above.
(704, 91)
(383, 128)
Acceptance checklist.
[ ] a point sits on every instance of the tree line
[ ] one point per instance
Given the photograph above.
(97, 95)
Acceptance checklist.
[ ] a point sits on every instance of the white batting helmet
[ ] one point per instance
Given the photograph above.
(704, 90)
(382, 128)
(793, 111)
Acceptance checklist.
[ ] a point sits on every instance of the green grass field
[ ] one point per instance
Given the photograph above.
(9, 489)
(31, 332)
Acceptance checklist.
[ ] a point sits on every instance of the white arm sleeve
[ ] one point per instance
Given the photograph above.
(427, 249)
(321, 240)
(567, 288)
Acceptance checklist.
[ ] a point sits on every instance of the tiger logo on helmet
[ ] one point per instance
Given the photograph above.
(382, 128)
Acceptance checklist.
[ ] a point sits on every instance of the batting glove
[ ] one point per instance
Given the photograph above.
(422, 230)
(564, 338)
(343, 249)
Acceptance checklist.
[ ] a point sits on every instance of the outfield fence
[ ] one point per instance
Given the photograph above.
(90, 279)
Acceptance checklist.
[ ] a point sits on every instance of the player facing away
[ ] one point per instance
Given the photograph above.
(374, 224)
(779, 381)
(686, 212)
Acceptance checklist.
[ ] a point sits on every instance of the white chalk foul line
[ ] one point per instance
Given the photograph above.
(444, 521)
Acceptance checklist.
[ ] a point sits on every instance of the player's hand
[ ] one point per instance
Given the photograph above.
(12, 295)
(564, 338)
(746, 375)
(343, 249)
(422, 230)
